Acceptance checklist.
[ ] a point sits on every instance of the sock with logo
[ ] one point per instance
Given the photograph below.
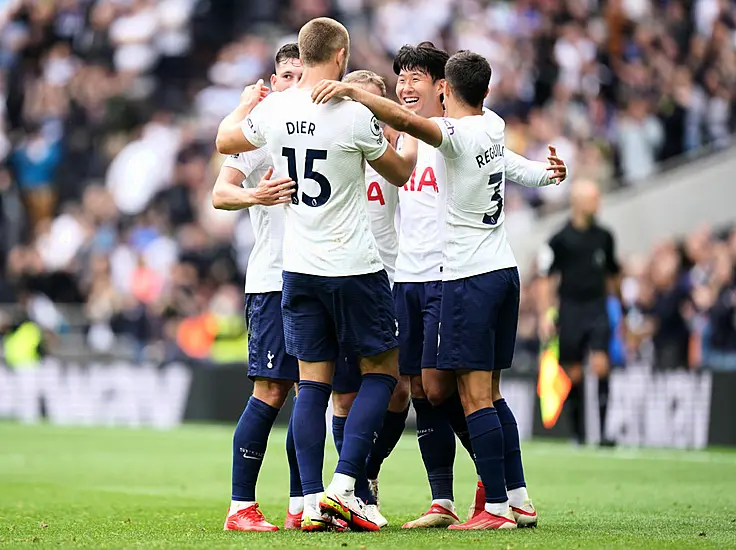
(249, 446)
(295, 482)
(393, 426)
(437, 445)
(511, 446)
(364, 421)
(362, 489)
(452, 408)
(486, 436)
(310, 433)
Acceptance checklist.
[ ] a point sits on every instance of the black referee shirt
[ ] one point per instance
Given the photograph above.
(584, 259)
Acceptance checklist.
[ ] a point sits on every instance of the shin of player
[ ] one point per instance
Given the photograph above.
(245, 182)
(336, 294)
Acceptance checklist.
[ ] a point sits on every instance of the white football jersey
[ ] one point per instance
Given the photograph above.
(383, 199)
(265, 260)
(475, 238)
(422, 205)
(323, 148)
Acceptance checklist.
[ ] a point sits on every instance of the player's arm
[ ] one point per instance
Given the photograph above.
(530, 173)
(228, 194)
(396, 167)
(393, 114)
(230, 137)
(613, 269)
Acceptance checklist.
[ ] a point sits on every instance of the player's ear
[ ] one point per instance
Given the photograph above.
(273, 80)
(341, 56)
(488, 91)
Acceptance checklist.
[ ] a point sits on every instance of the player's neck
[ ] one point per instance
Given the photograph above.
(433, 111)
(314, 75)
(460, 110)
(581, 222)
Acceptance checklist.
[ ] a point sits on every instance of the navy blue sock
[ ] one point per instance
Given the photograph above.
(362, 489)
(511, 446)
(437, 445)
(452, 408)
(310, 433)
(364, 421)
(338, 431)
(249, 446)
(295, 482)
(393, 426)
(486, 436)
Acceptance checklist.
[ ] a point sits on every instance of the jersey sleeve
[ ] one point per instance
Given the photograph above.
(367, 134)
(612, 266)
(453, 142)
(254, 126)
(525, 172)
(247, 163)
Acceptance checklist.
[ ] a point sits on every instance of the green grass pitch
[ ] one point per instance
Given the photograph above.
(124, 488)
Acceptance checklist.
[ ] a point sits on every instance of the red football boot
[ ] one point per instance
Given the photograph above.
(248, 519)
(486, 520)
(479, 504)
(293, 521)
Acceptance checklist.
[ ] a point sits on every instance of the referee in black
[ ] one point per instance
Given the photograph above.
(582, 255)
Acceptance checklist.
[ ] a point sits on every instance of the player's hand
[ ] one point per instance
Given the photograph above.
(272, 192)
(556, 166)
(255, 93)
(327, 89)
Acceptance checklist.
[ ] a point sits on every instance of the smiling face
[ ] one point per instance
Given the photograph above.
(418, 93)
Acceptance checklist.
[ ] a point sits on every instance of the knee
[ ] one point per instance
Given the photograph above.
(272, 392)
(341, 403)
(384, 363)
(475, 396)
(400, 398)
(437, 394)
(416, 388)
(575, 372)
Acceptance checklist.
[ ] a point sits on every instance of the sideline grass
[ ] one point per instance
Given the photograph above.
(122, 488)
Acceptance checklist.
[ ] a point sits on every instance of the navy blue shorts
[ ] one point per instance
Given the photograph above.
(418, 317)
(267, 357)
(347, 377)
(479, 318)
(325, 317)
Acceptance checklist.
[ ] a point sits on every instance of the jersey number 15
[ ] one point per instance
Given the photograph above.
(309, 173)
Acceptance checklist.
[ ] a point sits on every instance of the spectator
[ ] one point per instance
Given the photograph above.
(640, 137)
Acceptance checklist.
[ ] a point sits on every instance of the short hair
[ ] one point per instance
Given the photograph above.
(287, 51)
(469, 76)
(366, 77)
(423, 57)
(320, 39)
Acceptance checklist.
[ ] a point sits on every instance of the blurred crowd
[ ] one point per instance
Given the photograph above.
(110, 108)
(676, 309)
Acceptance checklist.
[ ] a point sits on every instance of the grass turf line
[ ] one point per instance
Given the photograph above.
(123, 488)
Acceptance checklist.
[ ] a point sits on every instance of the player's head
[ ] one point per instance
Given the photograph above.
(467, 78)
(368, 80)
(288, 68)
(421, 72)
(325, 42)
(585, 198)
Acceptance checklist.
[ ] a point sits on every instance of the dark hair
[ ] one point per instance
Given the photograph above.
(287, 51)
(469, 76)
(424, 57)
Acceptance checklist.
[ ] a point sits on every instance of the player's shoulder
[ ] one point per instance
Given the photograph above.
(493, 120)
